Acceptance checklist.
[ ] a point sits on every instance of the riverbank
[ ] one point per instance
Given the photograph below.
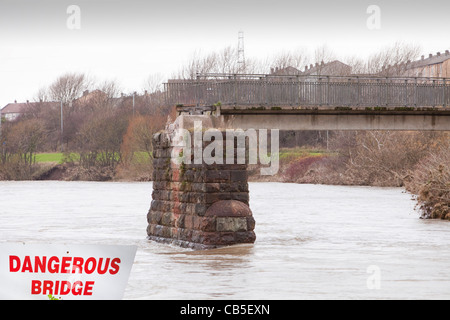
(426, 176)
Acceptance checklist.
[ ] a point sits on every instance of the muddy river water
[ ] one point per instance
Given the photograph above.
(313, 241)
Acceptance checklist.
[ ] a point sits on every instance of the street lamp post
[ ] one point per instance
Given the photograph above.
(62, 128)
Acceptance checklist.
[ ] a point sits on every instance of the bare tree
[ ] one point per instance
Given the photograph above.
(295, 58)
(24, 139)
(358, 65)
(198, 64)
(323, 53)
(111, 88)
(390, 61)
(42, 95)
(429, 181)
(222, 61)
(68, 87)
(154, 83)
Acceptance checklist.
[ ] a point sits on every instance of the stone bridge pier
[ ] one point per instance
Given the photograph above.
(197, 204)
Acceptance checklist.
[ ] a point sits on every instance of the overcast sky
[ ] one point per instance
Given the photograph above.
(127, 40)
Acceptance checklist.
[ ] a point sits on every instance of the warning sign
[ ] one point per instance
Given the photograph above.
(37, 271)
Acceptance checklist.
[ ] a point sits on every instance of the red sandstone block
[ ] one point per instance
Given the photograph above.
(226, 238)
(245, 237)
(150, 229)
(217, 176)
(168, 219)
(179, 222)
(189, 222)
(210, 238)
(229, 208)
(197, 236)
(166, 232)
(211, 187)
(240, 196)
(250, 224)
(204, 223)
(200, 209)
(239, 175)
(154, 217)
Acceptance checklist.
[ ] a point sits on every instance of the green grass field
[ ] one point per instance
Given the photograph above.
(49, 157)
(289, 153)
(56, 157)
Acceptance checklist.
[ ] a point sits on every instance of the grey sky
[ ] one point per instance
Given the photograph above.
(127, 40)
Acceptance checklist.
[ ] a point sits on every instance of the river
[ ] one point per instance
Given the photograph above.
(313, 241)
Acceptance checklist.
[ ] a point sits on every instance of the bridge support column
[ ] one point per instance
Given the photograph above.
(197, 205)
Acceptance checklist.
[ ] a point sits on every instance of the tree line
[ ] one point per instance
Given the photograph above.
(89, 122)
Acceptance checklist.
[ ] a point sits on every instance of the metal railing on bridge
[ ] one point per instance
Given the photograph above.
(320, 91)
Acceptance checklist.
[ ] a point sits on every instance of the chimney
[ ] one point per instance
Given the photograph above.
(317, 64)
(322, 63)
(272, 70)
(306, 68)
(447, 52)
(15, 101)
(430, 55)
(28, 101)
(311, 66)
(423, 57)
(438, 54)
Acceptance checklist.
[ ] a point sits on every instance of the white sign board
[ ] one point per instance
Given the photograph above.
(66, 272)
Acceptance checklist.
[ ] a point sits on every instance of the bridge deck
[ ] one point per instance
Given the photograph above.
(317, 102)
(330, 91)
(404, 119)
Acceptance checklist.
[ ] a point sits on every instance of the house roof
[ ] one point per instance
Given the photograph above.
(331, 68)
(288, 71)
(423, 62)
(23, 107)
(432, 59)
(15, 108)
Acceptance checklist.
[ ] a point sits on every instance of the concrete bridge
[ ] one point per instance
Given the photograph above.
(205, 205)
(285, 118)
(316, 102)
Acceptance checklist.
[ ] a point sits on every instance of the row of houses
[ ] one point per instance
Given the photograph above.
(333, 68)
(437, 65)
(434, 66)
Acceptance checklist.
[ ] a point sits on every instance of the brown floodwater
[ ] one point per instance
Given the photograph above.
(313, 241)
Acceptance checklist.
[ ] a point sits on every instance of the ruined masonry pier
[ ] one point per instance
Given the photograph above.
(198, 206)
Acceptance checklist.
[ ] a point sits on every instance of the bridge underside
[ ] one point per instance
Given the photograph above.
(336, 119)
